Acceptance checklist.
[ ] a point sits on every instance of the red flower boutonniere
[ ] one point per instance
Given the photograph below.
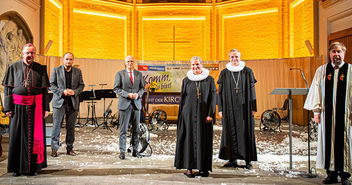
(341, 77)
(329, 76)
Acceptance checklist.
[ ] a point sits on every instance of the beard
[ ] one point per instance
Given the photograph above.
(68, 67)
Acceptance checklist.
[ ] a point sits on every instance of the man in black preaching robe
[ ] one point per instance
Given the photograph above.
(330, 98)
(26, 103)
(194, 146)
(237, 106)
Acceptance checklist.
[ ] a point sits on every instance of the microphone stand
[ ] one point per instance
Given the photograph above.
(309, 175)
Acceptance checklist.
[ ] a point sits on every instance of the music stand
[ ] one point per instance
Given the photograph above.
(105, 93)
(102, 85)
(90, 95)
(290, 92)
(106, 115)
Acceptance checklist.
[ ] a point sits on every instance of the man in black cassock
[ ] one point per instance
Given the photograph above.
(26, 103)
(237, 106)
(194, 146)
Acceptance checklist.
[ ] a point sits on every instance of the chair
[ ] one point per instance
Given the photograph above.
(283, 111)
(271, 118)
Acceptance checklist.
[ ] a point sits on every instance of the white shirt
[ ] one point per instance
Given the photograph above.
(129, 74)
(342, 63)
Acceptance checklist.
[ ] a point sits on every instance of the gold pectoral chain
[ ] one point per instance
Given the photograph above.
(198, 87)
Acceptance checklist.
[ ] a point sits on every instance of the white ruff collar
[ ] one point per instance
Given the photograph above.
(235, 68)
(202, 76)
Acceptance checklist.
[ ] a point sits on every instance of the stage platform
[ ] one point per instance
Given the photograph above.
(97, 161)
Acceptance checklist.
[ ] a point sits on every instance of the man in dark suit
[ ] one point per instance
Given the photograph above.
(66, 83)
(129, 85)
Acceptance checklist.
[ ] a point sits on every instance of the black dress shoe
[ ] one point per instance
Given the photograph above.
(189, 175)
(53, 153)
(71, 152)
(137, 154)
(249, 166)
(345, 182)
(235, 165)
(122, 155)
(330, 180)
(230, 164)
(16, 174)
(32, 174)
(202, 174)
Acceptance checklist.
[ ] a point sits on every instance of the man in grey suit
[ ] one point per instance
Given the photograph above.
(129, 85)
(66, 83)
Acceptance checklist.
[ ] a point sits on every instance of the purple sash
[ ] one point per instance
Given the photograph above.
(38, 143)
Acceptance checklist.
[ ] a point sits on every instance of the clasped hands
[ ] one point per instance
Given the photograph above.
(208, 119)
(220, 113)
(133, 96)
(69, 92)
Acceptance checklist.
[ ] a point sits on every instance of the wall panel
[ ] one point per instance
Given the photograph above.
(270, 74)
(173, 39)
(53, 29)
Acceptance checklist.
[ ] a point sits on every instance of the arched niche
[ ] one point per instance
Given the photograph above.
(21, 24)
(14, 33)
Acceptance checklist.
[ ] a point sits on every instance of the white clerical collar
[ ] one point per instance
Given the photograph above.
(235, 68)
(342, 63)
(202, 76)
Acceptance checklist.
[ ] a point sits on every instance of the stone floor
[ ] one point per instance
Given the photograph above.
(97, 161)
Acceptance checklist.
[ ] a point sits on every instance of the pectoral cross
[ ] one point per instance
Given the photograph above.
(236, 89)
(198, 90)
(198, 94)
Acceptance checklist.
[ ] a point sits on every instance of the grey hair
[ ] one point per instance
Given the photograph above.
(29, 45)
(234, 50)
(335, 44)
(196, 58)
(130, 56)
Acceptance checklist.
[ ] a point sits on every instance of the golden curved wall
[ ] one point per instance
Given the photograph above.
(260, 29)
(53, 26)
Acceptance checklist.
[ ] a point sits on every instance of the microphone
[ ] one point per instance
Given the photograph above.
(304, 78)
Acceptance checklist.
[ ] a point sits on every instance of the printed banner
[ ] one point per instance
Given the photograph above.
(164, 98)
(168, 77)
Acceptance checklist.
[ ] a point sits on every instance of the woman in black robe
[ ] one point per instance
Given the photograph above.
(194, 146)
